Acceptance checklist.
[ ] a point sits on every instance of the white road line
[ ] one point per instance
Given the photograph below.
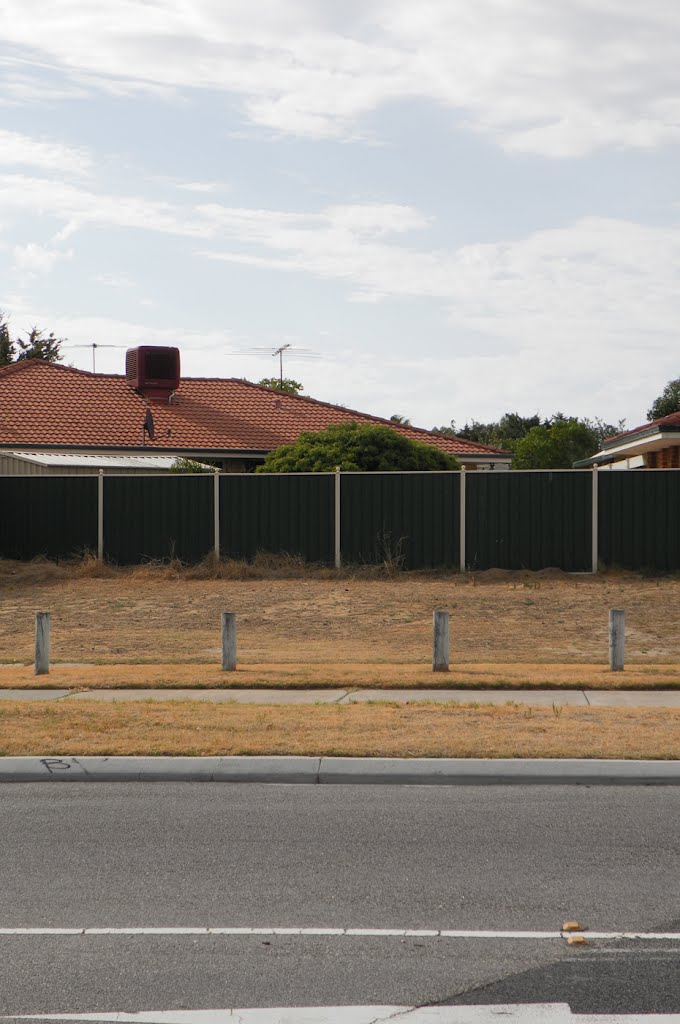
(378, 933)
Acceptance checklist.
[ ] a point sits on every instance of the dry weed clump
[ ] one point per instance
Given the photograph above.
(353, 730)
(264, 565)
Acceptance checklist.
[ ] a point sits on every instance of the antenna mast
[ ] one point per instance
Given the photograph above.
(279, 352)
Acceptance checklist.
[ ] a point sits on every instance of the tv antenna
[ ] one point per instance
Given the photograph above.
(94, 346)
(291, 350)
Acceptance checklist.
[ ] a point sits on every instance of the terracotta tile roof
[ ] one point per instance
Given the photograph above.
(671, 422)
(48, 405)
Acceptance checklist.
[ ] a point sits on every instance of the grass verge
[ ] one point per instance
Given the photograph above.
(387, 730)
(345, 676)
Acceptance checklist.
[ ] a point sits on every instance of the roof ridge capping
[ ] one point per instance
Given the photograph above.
(24, 365)
(404, 428)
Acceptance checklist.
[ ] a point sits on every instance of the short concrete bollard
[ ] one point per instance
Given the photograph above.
(228, 641)
(617, 639)
(42, 643)
(440, 644)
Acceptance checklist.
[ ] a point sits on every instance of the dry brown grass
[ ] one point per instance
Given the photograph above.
(289, 613)
(346, 676)
(358, 730)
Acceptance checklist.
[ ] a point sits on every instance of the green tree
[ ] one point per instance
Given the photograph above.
(500, 434)
(37, 345)
(6, 344)
(355, 447)
(555, 445)
(449, 431)
(40, 346)
(403, 421)
(667, 402)
(602, 431)
(288, 386)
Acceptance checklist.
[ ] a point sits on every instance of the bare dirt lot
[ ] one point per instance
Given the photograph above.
(167, 616)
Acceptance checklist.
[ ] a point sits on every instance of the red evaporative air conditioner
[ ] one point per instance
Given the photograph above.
(153, 370)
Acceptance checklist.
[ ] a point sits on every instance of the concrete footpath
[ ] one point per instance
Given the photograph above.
(342, 770)
(548, 698)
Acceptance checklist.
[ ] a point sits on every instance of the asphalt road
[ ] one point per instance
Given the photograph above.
(475, 858)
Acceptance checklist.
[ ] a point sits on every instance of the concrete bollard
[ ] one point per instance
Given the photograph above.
(42, 643)
(440, 643)
(617, 639)
(228, 641)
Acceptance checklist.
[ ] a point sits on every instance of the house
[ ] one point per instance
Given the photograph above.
(47, 408)
(654, 445)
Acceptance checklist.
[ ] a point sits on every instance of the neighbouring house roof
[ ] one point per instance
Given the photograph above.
(46, 405)
(664, 425)
(649, 437)
(66, 460)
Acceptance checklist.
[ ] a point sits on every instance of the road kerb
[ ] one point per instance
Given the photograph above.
(342, 770)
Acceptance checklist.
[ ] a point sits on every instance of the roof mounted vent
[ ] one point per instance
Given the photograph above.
(153, 370)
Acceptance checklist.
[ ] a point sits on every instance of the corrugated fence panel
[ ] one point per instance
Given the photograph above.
(639, 518)
(51, 516)
(158, 517)
(528, 520)
(412, 517)
(276, 513)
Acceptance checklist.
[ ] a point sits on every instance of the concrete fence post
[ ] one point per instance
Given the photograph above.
(100, 516)
(42, 643)
(337, 523)
(228, 642)
(595, 523)
(216, 515)
(461, 519)
(440, 643)
(617, 639)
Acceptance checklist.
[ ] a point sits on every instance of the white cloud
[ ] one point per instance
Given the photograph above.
(76, 207)
(200, 186)
(37, 259)
(114, 280)
(546, 321)
(558, 79)
(600, 275)
(598, 285)
(23, 151)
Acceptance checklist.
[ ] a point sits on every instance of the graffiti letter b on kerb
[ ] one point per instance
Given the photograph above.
(54, 764)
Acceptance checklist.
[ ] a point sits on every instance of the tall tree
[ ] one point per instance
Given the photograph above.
(288, 386)
(556, 445)
(40, 346)
(602, 431)
(511, 426)
(36, 345)
(6, 344)
(533, 442)
(667, 402)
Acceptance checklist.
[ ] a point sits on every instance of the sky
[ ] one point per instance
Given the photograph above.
(458, 208)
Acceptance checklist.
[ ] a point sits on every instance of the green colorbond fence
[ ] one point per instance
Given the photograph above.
(410, 517)
(279, 514)
(639, 519)
(515, 520)
(157, 517)
(51, 516)
(529, 520)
